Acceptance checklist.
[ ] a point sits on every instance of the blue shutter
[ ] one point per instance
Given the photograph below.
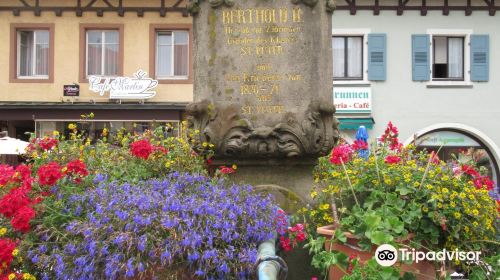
(420, 57)
(377, 58)
(479, 58)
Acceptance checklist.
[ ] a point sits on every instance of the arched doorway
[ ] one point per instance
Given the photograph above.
(454, 138)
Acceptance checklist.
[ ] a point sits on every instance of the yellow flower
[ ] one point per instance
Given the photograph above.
(475, 212)
(425, 209)
(27, 276)
(314, 194)
(211, 145)
(466, 228)
(234, 166)
(462, 195)
(444, 190)
(475, 224)
(72, 126)
(457, 215)
(453, 204)
(167, 164)
(429, 186)
(440, 205)
(15, 252)
(55, 133)
(445, 178)
(324, 206)
(3, 231)
(416, 184)
(205, 144)
(12, 276)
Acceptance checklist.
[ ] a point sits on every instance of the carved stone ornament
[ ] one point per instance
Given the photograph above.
(193, 5)
(310, 134)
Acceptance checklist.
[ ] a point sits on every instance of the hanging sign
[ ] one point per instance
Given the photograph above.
(352, 99)
(137, 87)
(71, 90)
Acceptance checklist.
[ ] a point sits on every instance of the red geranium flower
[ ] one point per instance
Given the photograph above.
(341, 154)
(76, 169)
(6, 248)
(141, 149)
(392, 159)
(13, 201)
(47, 143)
(6, 173)
(161, 149)
(21, 220)
(467, 169)
(49, 174)
(226, 170)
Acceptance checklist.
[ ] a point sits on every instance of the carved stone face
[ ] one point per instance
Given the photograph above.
(235, 143)
(289, 145)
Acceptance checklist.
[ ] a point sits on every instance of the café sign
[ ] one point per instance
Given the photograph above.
(446, 139)
(352, 99)
(137, 87)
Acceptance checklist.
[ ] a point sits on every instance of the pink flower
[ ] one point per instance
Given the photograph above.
(360, 145)
(392, 159)
(341, 154)
(226, 170)
(285, 244)
(301, 236)
(434, 158)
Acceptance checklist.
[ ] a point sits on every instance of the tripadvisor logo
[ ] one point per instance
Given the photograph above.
(387, 255)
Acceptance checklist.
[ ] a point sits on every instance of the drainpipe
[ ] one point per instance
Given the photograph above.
(269, 266)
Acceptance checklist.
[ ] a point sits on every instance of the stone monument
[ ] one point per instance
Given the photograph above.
(264, 94)
(263, 86)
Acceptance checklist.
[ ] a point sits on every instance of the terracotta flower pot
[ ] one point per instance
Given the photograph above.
(423, 270)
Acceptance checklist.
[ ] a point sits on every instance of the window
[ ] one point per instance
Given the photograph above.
(103, 48)
(172, 54)
(347, 57)
(33, 54)
(448, 62)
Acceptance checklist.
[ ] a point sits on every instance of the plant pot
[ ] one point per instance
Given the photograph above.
(424, 270)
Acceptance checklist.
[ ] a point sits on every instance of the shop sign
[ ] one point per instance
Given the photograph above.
(71, 90)
(446, 139)
(137, 87)
(352, 99)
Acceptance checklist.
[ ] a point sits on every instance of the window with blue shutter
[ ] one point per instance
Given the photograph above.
(377, 58)
(479, 56)
(420, 57)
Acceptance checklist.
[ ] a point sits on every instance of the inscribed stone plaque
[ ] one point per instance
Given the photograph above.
(263, 77)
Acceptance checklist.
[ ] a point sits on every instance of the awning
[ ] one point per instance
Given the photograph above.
(355, 123)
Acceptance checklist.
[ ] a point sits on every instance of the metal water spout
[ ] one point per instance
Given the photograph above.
(269, 266)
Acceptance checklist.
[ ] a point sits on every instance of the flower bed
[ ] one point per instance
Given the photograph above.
(141, 206)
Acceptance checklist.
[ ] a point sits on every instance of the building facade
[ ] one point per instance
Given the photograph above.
(430, 67)
(127, 62)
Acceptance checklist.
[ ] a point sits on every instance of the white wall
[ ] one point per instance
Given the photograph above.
(412, 106)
